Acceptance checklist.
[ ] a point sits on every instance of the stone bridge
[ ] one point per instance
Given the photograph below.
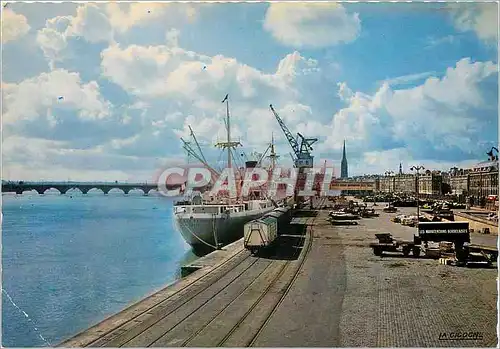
(63, 187)
(41, 187)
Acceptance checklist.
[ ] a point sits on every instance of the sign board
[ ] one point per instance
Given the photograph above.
(444, 231)
(452, 227)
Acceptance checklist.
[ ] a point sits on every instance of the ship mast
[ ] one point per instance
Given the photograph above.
(228, 133)
(228, 144)
(273, 156)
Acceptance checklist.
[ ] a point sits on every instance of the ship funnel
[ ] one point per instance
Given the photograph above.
(251, 164)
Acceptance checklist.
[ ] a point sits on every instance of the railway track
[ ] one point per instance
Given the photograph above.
(229, 306)
(230, 340)
(268, 293)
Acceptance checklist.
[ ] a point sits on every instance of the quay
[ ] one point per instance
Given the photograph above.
(321, 287)
(478, 221)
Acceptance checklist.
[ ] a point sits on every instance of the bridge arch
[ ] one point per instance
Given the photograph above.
(94, 191)
(152, 192)
(115, 191)
(27, 192)
(73, 191)
(134, 191)
(50, 191)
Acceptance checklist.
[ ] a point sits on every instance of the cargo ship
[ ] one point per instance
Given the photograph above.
(207, 222)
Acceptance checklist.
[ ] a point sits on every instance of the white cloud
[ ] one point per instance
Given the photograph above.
(59, 89)
(145, 71)
(170, 88)
(38, 159)
(344, 93)
(457, 89)
(154, 71)
(97, 23)
(433, 41)
(311, 25)
(125, 16)
(434, 113)
(410, 78)
(482, 18)
(14, 25)
(199, 83)
(90, 23)
(436, 116)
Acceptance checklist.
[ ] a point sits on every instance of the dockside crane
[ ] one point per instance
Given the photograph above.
(302, 159)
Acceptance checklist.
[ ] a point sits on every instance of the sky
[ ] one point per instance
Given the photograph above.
(104, 91)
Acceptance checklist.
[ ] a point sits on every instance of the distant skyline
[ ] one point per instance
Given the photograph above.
(102, 92)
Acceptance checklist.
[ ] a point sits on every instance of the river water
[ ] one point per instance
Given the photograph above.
(70, 261)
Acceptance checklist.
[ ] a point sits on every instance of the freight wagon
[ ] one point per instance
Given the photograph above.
(283, 216)
(262, 233)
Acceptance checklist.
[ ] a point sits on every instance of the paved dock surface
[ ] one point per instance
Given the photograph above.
(345, 296)
(322, 288)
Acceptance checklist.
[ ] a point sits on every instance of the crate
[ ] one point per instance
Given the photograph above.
(432, 252)
(446, 261)
(445, 246)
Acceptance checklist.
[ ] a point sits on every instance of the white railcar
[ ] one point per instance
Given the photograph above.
(263, 232)
(260, 233)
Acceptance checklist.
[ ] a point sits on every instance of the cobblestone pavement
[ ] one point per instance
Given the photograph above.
(345, 296)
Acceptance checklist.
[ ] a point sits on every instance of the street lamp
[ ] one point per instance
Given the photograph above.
(416, 169)
(389, 173)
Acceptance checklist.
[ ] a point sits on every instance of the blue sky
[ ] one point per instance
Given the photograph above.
(104, 91)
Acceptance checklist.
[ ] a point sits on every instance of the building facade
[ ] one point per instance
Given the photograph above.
(459, 181)
(479, 183)
(386, 184)
(405, 183)
(483, 180)
(430, 183)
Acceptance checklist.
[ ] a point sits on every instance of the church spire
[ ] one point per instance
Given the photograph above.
(400, 168)
(343, 164)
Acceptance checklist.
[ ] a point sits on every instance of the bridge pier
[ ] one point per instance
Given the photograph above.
(84, 190)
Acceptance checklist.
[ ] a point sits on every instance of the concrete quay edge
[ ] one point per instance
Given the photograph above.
(470, 215)
(202, 267)
(214, 258)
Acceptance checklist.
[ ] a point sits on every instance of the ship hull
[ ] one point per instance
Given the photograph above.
(198, 231)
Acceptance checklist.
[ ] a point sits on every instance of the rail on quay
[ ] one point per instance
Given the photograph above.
(214, 260)
(227, 285)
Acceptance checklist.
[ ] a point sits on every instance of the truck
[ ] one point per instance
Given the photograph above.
(387, 243)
